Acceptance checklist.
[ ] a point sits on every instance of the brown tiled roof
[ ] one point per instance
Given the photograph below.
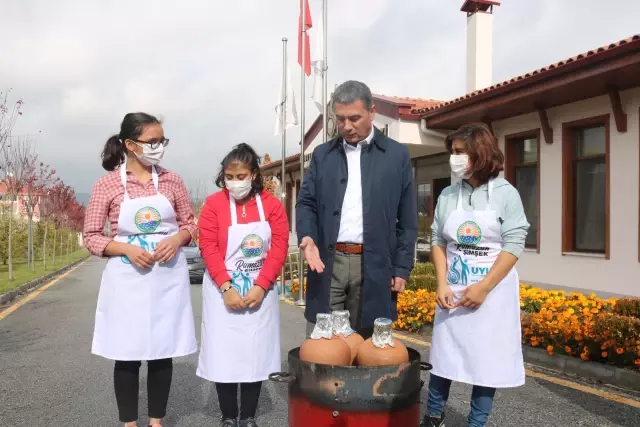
(555, 66)
(278, 162)
(403, 106)
(405, 101)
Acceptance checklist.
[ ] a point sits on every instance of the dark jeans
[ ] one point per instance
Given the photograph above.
(228, 399)
(346, 291)
(481, 400)
(126, 381)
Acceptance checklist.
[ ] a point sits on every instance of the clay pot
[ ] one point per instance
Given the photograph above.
(334, 351)
(323, 346)
(354, 340)
(341, 328)
(382, 349)
(369, 355)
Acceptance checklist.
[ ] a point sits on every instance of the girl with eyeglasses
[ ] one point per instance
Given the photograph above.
(144, 306)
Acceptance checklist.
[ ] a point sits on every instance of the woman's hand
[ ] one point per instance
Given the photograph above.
(232, 298)
(254, 297)
(139, 257)
(474, 295)
(444, 297)
(167, 249)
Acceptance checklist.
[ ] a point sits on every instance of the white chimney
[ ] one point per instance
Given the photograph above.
(479, 43)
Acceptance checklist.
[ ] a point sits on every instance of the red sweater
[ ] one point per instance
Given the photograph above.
(214, 222)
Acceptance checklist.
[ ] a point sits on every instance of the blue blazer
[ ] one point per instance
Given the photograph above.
(390, 221)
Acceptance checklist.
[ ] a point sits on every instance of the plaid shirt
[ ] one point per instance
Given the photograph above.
(108, 193)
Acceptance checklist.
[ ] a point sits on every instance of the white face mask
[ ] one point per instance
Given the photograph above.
(150, 156)
(459, 165)
(238, 189)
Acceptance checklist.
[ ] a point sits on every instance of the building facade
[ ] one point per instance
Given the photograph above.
(571, 137)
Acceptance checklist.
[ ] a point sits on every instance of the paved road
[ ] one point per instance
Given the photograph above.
(49, 377)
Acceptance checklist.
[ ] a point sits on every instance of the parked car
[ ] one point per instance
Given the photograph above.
(194, 263)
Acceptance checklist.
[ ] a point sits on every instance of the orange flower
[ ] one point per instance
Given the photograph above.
(619, 350)
(550, 349)
(604, 354)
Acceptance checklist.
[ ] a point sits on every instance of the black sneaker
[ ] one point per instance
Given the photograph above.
(229, 422)
(432, 421)
(249, 422)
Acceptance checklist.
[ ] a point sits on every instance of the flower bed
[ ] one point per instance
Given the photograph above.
(295, 287)
(606, 331)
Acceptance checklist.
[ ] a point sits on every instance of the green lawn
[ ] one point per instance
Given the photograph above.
(22, 274)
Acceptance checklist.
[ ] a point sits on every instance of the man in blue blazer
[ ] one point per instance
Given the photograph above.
(356, 217)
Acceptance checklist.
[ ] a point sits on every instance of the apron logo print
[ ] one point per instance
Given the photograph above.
(139, 240)
(148, 219)
(252, 246)
(241, 283)
(458, 274)
(469, 233)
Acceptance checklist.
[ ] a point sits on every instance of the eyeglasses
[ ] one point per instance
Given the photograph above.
(153, 143)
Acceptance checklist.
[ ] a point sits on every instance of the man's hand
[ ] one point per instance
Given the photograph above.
(473, 296)
(444, 297)
(312, 254)
(167, 249)
(398, 284)
(254, 297)
(139, 257)
(232, 298)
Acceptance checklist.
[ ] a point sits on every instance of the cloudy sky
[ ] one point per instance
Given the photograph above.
(211, 68)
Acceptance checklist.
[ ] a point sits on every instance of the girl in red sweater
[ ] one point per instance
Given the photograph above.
(244, 238)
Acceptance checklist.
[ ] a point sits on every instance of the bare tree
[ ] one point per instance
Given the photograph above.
(54, 209)
(17, 163)
(35, 190)
(197, 195)
(8, 116)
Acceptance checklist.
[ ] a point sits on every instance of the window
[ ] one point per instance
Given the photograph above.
(431, 174)
(523, 171)
(425, 216)
(586, 186)
(289, 204)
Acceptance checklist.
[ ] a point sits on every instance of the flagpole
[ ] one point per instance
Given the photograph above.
(283, 115)
(303, 29)
(324, 71)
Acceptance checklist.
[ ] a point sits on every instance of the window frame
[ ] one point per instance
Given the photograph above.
(568, 183)
(511, 166)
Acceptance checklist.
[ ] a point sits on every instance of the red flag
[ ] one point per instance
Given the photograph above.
(307, 49)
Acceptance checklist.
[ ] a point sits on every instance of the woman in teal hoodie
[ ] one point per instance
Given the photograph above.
(478, 234)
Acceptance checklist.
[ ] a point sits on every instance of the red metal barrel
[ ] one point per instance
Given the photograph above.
(353, 396)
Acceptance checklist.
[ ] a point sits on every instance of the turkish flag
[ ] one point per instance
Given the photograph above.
(307, 49)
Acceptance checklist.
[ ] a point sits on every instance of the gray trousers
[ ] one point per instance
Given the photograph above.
(346, 290)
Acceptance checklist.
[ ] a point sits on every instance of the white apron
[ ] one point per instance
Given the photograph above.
(479, 346)
(144, 314)
(241, 346)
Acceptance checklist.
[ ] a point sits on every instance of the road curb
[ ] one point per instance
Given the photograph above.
(34, 284)
(572, 366)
